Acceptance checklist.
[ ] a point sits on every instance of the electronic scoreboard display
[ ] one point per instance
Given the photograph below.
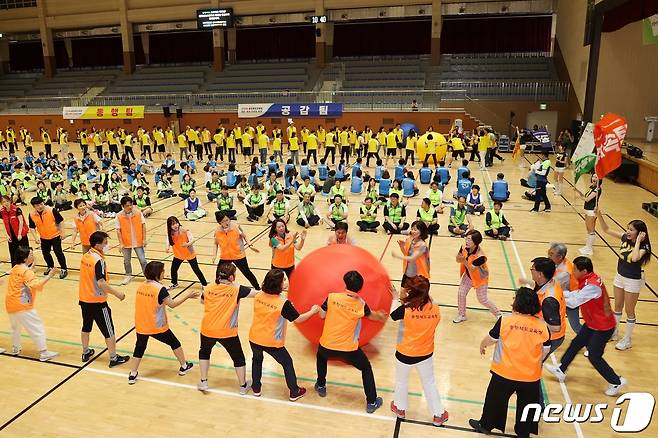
(211, 18)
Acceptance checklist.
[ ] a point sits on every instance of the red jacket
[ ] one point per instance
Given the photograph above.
(597, 312)
(10, 219)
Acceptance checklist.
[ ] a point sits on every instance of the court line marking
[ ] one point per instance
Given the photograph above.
(563, 386)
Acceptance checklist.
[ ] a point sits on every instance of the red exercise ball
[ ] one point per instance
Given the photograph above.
(321, 272)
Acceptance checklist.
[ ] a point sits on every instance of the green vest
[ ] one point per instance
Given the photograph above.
(140, 202)
(28, 182)
(372, 194)
(255, 199)
(56, 177)
(75, 183)
(44, 194)
(337, 212)
(215, 186)
(496, 221)
(102, 198)
(279, 207)
(426, 216)
(3, 190)
(306, 189)
(370, 212)
(18, 175)
(85, 195)
(308, 209)
(224, 203)
(113, 185)
(186, 187)
(435, 197)
(273, 189)
(459, 216)
(245, 188)
(395, 213)
(334, 191)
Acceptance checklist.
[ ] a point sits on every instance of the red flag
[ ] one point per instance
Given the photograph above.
(517, 148)
(609, 133)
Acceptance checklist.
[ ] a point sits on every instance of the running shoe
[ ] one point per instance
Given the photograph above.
(245, 389)
(372, 407)
(88, 355)
(438, 420)
(294, 396)
(47, 355)
(321, 390)
(556, 371)
(400, 413)
(185, 369)
(614, 389)
(118, 360)
(459, 318)
(624, 344)
(202, 385)
(132, 378)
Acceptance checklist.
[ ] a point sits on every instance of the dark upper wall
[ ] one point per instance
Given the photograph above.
(275, 42)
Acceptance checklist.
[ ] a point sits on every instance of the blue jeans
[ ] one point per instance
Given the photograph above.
(573, 315)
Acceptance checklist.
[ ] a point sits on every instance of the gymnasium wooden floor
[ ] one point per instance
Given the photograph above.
(67, 398)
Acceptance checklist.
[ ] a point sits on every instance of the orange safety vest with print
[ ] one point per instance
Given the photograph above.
(22, 287)
(220, 313)
(88, 290)
(420, 266)
(45, 223)
(416, 330)
(553, 289)
(285, 258)
(268, 326)
(150, 316)
(130, 226)
(479, 274)
(518, 352)
(180, 252)
(342, 325)
(567, 266)
(230, 244)
(86, 227)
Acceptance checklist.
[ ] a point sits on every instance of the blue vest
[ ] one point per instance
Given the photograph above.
(340, 172)
(323, 172)
(461, 171)
(287, 168)
(399, 172)
(425, 175)
(532, 179)
(303, 171)
(193, 205)
(499, 189)
(384, 187)
(357, 185)
(444, 174)
(464, 187)
(408, 187)
(355, 169)
(181, 174)
(379, 170)
(231, 178)
(272, 166)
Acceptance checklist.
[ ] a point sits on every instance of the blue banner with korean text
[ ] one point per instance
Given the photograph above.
(253, 110)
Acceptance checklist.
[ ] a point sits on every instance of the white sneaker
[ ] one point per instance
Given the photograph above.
(624, 344)
(459, 318)
(614, 389)
(127, 279)
(202, 385)
(586, 251)
(556, 371)
(15, 351)
(245, 389)
(615, 335)
(586, 353)
(47, 355)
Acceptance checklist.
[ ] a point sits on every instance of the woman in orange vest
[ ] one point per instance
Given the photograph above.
(151, 318)
(22, 290)
(86, 222)
(221, 302)
(179, 240)
(268, 331)
(474, 274)
(15, 225)
(48, 223)
(418, 317)
(415, 253)
(283, 244)
(231, 241)
(522, 342)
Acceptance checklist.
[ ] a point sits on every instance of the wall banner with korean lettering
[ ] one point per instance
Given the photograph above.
(253, 110)
(103, 112)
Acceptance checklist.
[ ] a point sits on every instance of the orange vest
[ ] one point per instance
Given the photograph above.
(416, 330)
(88, 290)
(45, 223)
(573, 283)
(285, 258)
(220, 312)
(479, 274)
(553, 289)
(21, 289)
(85, 227)
(130, 226)
(422, 263)
(150, 316)
(342, 325)
(518, 352)
(231, 245)
(268, 326)
(182, 253)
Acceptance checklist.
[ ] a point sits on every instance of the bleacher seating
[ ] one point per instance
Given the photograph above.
(280, 76)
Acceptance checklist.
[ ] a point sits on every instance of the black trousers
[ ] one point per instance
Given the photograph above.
(365, 226)
(433, 229)
(219, 153)
(167, 337)
(427, 157)
(372, 155)
(312, 153)
(49, 150)
(146, 150)
(243, 265)
(345, 154)
(256, 212)
(287, 270)
(409, 155)
(595, 341)
(357, 359)
(199, 151)
(494, 412)
(475, 153)
(55, 245)
(332, 151)
(502, 231)
(280, 355)
(114, 150)
(175, 265)
(231, 154)
(231, 345)
(389, 228)
(13, 246)
(312, 220)
(129, 152)
(541, 196)
(99, 152)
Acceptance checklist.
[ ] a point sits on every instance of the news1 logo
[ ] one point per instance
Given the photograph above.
(639, 411)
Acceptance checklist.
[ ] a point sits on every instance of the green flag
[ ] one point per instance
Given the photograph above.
(584, 164)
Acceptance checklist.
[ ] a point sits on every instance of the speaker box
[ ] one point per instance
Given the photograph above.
(165, 111)
(179, 113)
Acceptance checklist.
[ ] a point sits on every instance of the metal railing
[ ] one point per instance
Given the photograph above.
(511, 90)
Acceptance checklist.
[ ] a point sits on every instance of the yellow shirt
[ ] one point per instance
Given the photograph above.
(218, 138)
(381, 138)
(411, 143)
(159, 138)
(352, 137)
(312, 142)
(230, 142)
(98, 140)
(329, 139)
(391, 140)
(146, 140)
(206, 136)
(237, 131)
(169, 135)
(321, 134)
(290, 129)
(294, 143)
(305, 133)
(372, 145)
(276, 144)
(343, 138)
(457, 144)
(262, 141)
(246, 140)
(182, 141)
